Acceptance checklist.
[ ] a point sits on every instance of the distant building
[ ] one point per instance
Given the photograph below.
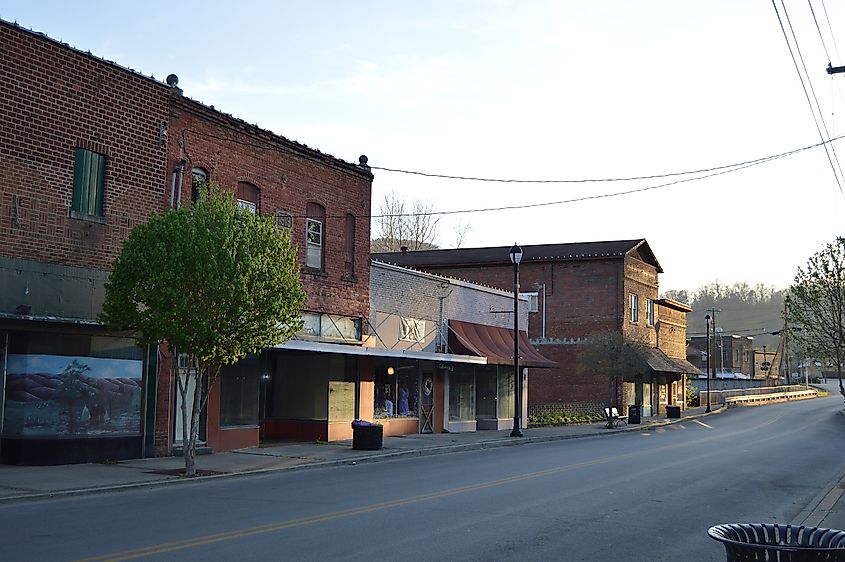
(575, 291)
(732, 356)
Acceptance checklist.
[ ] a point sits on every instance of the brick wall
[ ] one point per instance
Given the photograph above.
(52, 100)
(672, 324)
(583, 298)
(288, 177)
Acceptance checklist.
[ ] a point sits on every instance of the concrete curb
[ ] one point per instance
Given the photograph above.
(815, 512)
(424, 452)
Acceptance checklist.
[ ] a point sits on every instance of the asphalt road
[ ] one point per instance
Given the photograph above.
(633, 496)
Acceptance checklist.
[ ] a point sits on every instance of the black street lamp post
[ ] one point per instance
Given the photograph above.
(516, 257)
(707, 319)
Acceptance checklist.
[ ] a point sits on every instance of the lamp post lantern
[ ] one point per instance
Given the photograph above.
(707, 319)
(516, 257)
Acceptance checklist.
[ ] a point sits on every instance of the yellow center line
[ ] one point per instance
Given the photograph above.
(282, 525)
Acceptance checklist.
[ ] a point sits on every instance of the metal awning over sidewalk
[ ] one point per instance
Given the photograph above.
(322, 347)
(494, 343)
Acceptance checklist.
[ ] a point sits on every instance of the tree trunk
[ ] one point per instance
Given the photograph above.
(190, 449)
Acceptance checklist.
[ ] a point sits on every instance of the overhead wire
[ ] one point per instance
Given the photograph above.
(830, 28)
(716, 171)
(804, 86)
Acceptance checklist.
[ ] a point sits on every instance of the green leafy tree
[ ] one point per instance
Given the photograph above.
(612, 355)
(815, 306)
(212, 281)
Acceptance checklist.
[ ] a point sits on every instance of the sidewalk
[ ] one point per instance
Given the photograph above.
(828, 508)
(19, 483)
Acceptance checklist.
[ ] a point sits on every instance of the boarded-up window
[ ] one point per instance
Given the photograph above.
(349, 246)
(89, 175)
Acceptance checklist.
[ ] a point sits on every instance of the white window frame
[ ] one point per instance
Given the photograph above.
(533, 301)
(314, 243)
(634, 307)
(650, 318)
(248, 206)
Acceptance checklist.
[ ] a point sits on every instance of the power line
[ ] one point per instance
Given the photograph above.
(830, 28)
(715, 171)
(804, 86)
(824, 45)
(737, 165)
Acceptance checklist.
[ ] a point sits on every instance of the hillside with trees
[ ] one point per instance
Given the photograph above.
(742, 310)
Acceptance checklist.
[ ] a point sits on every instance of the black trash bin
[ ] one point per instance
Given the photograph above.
(783, 543)
(633, 413)
(673, 411)
(367, 436)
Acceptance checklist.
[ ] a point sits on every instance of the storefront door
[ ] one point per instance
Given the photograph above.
(427, 401)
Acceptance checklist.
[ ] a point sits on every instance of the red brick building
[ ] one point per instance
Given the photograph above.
(88, 150)
(580, 290)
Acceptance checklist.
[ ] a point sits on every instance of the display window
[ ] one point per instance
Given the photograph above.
(397, 390)
(69, 385)
(462, 394)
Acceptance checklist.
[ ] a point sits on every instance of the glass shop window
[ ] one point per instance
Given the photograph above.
(462, 395)
(239, 384)
(396, 392)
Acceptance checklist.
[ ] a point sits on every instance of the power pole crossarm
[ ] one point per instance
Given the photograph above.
(835, 69)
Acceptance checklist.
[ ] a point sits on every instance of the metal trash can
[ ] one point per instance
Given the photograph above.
(673, 411)
(784, 543)
(634, 413)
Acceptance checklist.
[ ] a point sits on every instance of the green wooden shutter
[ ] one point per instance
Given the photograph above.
(89, 174)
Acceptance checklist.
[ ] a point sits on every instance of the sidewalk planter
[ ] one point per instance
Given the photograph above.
(673, 412)
(367, 436)
(783, 543)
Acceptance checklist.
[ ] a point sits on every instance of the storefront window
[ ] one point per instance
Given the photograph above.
(239, 392)
(68, 385)
(396, 391)
(462, 394)
(506, 390)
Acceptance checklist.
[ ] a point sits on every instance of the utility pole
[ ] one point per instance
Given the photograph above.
(835, 69)
(713, 311)
(788, 377)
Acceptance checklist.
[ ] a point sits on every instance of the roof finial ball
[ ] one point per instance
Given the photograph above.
(173, 81)
(362, 161)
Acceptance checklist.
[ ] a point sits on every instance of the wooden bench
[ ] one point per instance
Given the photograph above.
(613, 418)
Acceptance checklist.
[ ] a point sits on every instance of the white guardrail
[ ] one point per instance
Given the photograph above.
(755, 399)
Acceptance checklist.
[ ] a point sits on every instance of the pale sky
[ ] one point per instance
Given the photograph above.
(525, 89)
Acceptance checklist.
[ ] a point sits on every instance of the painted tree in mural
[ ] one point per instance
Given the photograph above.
(211, 281)
(72, 390)
(612, 356)
(815, 307)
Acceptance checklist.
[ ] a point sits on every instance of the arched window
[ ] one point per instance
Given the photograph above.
(247, 196)
(315, 235)
(199, 177)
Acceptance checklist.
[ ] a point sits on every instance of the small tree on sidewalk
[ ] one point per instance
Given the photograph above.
(815, 306)
(212, 281)
(612, 355)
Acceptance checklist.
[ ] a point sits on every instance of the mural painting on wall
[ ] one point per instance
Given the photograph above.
(67, 396)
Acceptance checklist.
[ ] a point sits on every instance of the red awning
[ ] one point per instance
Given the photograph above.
(494, 343)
